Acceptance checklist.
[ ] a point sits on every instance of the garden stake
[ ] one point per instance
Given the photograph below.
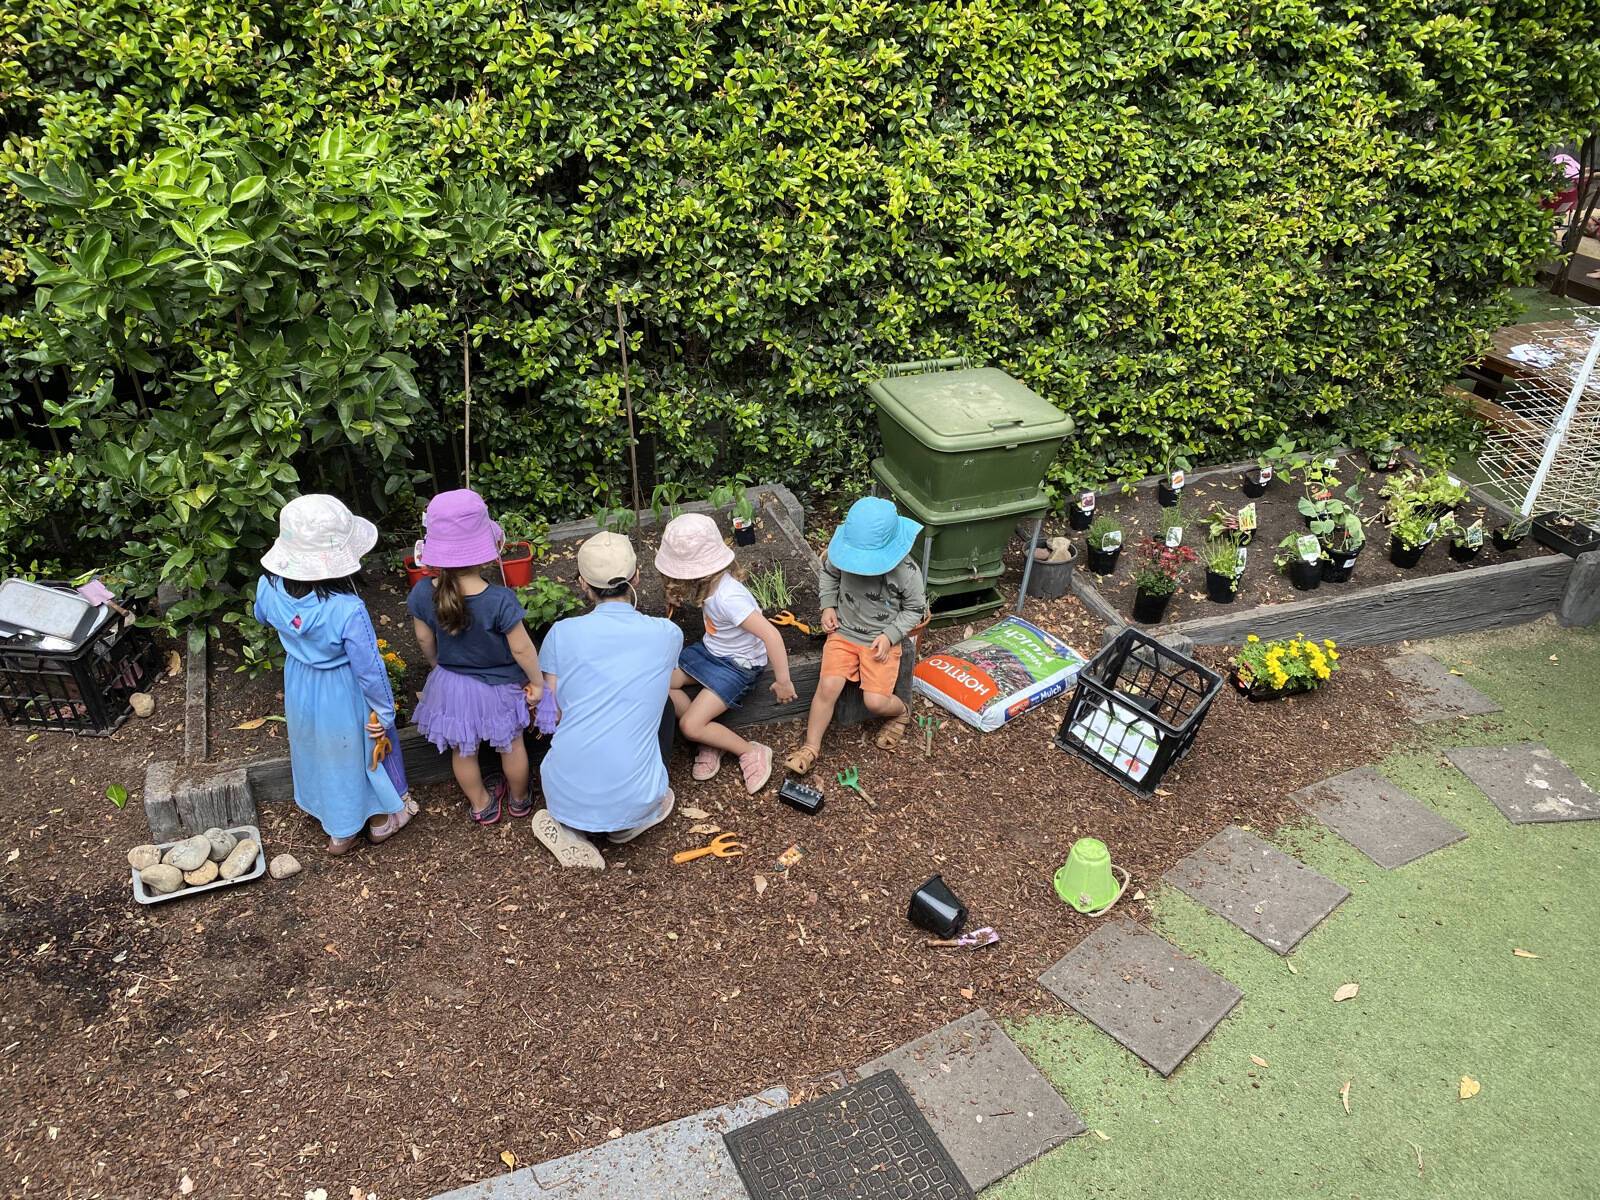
(851, 778)
(928, 723)
(627, 401)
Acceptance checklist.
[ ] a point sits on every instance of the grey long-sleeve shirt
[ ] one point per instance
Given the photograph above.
(868, 605)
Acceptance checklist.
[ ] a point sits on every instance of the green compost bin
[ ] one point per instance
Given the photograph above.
(968, 546)
(959, 437)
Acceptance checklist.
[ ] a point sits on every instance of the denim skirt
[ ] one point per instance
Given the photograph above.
(723, 676)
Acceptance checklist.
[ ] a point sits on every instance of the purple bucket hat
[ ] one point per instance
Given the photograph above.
(458, 531)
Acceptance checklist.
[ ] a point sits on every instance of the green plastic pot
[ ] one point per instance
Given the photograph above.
(1088, 881)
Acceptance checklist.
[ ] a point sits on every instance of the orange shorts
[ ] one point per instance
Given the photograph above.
(843, 657)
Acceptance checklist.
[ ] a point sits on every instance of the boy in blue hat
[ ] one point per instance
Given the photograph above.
(872, 597)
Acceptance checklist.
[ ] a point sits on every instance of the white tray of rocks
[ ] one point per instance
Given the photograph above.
(213, 859)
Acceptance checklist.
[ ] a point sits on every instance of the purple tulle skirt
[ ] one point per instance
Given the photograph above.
(458, 712)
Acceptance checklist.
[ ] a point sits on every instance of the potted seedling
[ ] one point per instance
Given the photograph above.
(544, 602)
(1410, 533)
(1509, 536)
(1080, 511)
(1170, 487)
(1564, 533)
(1104, 544)
(415, 571)
(522, 534)
(1336, 524)
(615, 520)
(732, 496)
(1172, 523)
(1300, 558)
(1382, 452)
(1268, 463)
(1224, 522)
(1465, 540)
(1157, 580)
(1224, 561)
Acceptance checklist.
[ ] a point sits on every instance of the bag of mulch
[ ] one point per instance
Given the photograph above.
(999, 674)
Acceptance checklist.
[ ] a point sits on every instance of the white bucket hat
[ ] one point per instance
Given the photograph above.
(319, 538)
(692, 548)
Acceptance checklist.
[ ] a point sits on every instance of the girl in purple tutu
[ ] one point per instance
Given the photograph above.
(485, 673)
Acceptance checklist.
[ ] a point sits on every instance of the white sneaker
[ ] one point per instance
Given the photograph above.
(668, 802)
(570, 847)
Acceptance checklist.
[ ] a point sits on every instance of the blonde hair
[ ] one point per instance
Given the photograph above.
(682, 592)
(449, 602)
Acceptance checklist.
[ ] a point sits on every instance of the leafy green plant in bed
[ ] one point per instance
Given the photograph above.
(545, 601)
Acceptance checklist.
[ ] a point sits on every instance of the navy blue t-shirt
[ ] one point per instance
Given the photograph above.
(481, 650)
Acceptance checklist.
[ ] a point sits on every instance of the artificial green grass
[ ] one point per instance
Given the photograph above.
(1441, 996)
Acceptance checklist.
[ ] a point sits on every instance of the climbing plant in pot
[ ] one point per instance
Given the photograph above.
(1509, 536)
(1299, 557)
(1158, 578)
(1337, 525)
(742, 511)
(1170, 487)
(1224, 561)
(1104, 544)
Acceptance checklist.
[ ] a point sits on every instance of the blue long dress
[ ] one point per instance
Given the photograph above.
(333, 677)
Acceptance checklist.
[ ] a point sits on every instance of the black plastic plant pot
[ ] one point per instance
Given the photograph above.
(1463, 554)
(1103, 562)
(1563, 533)
(1305, 575)
(1253, 487)
(1078, 519)
(1339, 566)
(937, 909)
(1219, 588)
(1503, 543)
(744, 535)
(1149, 609)
(1405, 556)
(1167, 494)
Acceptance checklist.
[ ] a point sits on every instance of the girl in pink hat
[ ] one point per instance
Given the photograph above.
(698, 568)
(485, 673)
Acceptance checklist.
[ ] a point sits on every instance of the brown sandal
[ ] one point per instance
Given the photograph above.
(801, 759)
(894, 731)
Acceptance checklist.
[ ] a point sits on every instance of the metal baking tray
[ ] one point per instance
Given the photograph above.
(143, 896)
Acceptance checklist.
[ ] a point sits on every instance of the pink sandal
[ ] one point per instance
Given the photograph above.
(707, 762)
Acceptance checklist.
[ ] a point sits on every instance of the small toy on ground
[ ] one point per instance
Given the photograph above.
(785, 617)
(851, 778)
(789, 857)
(724, 845)
(976, 940)
(937, 909)
(801, 796)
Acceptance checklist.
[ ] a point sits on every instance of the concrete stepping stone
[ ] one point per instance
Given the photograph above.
(684, 1158)
(1430, 692)
(1139, 988)
(1388, 825)
(992, 1110)
(1527, 783)
(1274, 898)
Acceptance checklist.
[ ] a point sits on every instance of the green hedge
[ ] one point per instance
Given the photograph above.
(241, 246)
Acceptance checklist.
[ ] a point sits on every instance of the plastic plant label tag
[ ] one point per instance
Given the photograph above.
(1176, 481)
(1244, 555)
(1347, 564)
(1308, 546)
(1475, 534)
(1086, 502)
(1174, 537)
(1427, 534)
(1330, 463)
(1264, 475)
(1112, 540)
(1247, 518)
(1454, 482)
(416, 552)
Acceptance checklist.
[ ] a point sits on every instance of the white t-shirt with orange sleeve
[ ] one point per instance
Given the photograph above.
(725, 609)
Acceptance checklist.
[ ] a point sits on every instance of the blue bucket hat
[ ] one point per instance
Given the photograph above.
(873, 538)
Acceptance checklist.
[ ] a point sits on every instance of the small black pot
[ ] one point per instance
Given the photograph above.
(1384, 465)
(1252, 485)
(1078, 519)
(1503, 543)
(937, 909)
(744, 535)
(1103, 562)
(1305, 575)
(1219, 587)
(1463, 554)
(1149, 609)
(1339, 566)
(1400, 556)
(1167, 494)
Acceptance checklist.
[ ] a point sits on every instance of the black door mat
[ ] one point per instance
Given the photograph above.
(861, 1142)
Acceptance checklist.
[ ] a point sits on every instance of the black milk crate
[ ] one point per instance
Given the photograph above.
(1136, 709)
(85, 690)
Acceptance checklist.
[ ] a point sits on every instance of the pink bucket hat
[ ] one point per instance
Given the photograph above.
(458, 531)
(692, 548)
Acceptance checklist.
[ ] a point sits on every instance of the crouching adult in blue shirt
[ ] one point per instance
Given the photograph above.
(609, 671)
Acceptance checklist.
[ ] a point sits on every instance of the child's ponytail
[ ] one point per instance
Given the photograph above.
(449, 605)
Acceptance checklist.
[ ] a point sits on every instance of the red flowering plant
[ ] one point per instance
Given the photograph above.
(1163, 568)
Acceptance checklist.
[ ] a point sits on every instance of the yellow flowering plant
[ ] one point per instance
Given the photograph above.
(396, 667)
(1297, 664)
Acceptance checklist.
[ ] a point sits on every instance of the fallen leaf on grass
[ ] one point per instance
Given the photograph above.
(694, 814)
(1293, 970)
(1521, 953)
(1259, 1061)
(174, 662)
(1344, 1097)
(1470, 1087)
(1347, 991)
(508, 1158)
(1103, 1137)
(255, 723)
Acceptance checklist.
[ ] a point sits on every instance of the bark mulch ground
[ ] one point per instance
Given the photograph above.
(1262, 583)
(395, 1020)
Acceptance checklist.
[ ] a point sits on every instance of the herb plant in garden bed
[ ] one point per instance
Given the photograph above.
(1269, 670)
(1104, 544)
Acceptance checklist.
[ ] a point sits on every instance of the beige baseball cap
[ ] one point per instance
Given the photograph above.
(606, 560)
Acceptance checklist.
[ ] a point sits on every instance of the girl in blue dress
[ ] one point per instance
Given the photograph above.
(333, 675)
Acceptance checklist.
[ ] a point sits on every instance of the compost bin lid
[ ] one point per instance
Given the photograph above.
(971, 409)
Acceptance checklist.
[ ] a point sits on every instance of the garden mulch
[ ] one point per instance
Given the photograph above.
(1278, 516)
(398, 1018)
